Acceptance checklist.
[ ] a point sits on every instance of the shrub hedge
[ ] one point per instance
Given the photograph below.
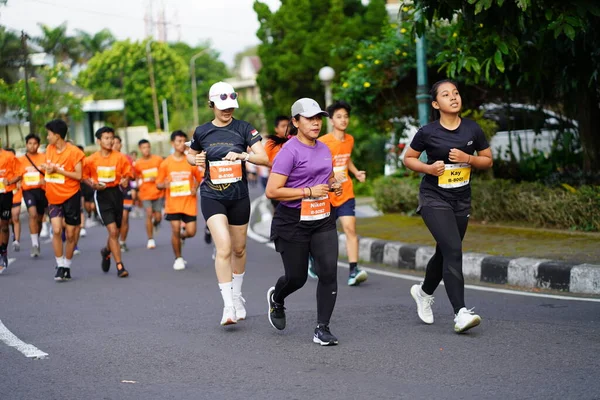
(501, 200)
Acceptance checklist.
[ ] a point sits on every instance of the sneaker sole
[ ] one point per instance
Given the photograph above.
(322, 343)
(269, 292)
(124, 275)
(474, 322)
(228, 322)
(414, 296)
(61, 279)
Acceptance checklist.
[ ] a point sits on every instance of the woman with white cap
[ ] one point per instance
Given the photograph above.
(220, 146)
(304, 222)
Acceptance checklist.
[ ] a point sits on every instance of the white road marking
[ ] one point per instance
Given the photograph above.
(413, 278)
(28, 350)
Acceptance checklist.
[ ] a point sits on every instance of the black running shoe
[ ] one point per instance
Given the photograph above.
(122, 272)
(207, 236)
(60, 274)
(324, 337)
(67, 274)
(105, 259)
(276, 311)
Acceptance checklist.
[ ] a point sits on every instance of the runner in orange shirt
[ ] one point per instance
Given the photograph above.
(106, 171)
(33, 189)
(180, 180)
(275, 142)
(16, 210)
(341, 144)
(146, 170)
(128, 194)
(63, 172)
(9, 175)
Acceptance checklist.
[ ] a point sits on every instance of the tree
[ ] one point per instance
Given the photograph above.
(549, 49)
(90, 45)
(56, 42)
(298, 39)
(122, 72)
(10, 55)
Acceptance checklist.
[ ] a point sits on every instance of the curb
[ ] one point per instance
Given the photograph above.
(522, 271)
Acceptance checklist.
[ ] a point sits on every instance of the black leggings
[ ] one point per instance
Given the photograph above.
(323, 247)
(448, 230)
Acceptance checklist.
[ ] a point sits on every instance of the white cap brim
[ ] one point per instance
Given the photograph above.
(225, 104)
(312, 114)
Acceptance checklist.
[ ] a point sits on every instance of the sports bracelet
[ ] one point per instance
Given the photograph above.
(469, 161)
(310, 190)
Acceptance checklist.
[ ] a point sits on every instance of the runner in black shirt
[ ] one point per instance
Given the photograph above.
(445, 197)
(220, 146)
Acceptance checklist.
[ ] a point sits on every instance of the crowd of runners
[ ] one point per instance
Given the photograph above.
(306, 175)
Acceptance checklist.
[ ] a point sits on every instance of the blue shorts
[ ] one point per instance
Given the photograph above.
(346, 209)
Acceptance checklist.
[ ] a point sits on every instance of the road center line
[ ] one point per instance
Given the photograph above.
(28, 350)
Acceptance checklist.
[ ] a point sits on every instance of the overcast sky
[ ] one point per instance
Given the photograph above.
(230, 25)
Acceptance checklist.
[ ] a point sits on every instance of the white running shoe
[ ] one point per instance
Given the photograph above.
(16, 245)
(423, 304)
(465, 320)
(240, 309)
(44, 233)
(229, 317)
(179, 264)
(151, 244)
(83, 232)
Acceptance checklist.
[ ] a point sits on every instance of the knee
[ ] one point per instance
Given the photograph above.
(297, 280)
(224, 251)
(113, 232)
(239, 251)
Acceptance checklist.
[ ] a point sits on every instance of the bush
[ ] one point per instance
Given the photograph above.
(506, 201)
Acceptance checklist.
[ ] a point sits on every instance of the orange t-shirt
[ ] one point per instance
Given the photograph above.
(17, 196)
(147, 171)
(60, 188)
(272, 148)
(341, 150)
(184, 178)
(110, 169)
(32, 179)
(10, 167)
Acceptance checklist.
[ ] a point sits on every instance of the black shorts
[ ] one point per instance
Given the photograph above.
(287, 225)
(236, 211)
(87, 193)
(109, 205)
(6, 200)
(36, 198)
(180, 217)
(70, 210)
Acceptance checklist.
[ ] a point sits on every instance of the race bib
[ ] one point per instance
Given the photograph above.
(315, 209)
(55, 178)
(106, 174)
(180, 188)
(149, 174)
(225, 171)
(2, 187)
(455, 176)
(31, 178)
(341, 171)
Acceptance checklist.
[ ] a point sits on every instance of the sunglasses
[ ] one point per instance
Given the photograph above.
(224, 96)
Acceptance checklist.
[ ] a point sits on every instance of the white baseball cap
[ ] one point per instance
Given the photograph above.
(307, 108)
(223, 95)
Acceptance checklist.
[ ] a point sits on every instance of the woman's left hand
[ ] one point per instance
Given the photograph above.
(458, 156)
(336, 188)
(233, 156)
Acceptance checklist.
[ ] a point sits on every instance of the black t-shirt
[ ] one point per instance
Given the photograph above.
(217, 142)
(437, 142)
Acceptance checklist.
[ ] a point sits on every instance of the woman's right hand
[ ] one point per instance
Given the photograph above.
(201, 159)
(319, 191)
(437, 168)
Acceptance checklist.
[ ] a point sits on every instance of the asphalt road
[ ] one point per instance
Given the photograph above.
(156, 335)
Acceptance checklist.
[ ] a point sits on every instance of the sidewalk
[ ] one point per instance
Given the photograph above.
(518, 269)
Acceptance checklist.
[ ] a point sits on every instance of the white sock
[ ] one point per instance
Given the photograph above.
(35, 240)
(67, 263)
(60, 261)
(238, 279)
(227, 293)
(422, 293)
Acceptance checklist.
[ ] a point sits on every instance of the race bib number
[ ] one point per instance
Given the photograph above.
(342, 172)
(315, 209)
(2, 187)
(225, 171)
(31, 178)
(180, 188)
(150, 174)
(455, 176)
(55, 178)
(106, 174)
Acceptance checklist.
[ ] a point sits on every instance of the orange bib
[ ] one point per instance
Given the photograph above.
(315, 209)
(225, 171)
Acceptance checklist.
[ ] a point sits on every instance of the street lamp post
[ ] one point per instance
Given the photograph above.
(326, 75)
(152, 85)
(194, 86)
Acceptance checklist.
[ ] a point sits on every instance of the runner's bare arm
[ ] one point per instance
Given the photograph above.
(276, 189)
(360, 175)
(412, 162)
(483, 159)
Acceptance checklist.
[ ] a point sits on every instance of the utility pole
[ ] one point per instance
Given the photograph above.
(24, 38)
(423, 98)
(152, 85)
